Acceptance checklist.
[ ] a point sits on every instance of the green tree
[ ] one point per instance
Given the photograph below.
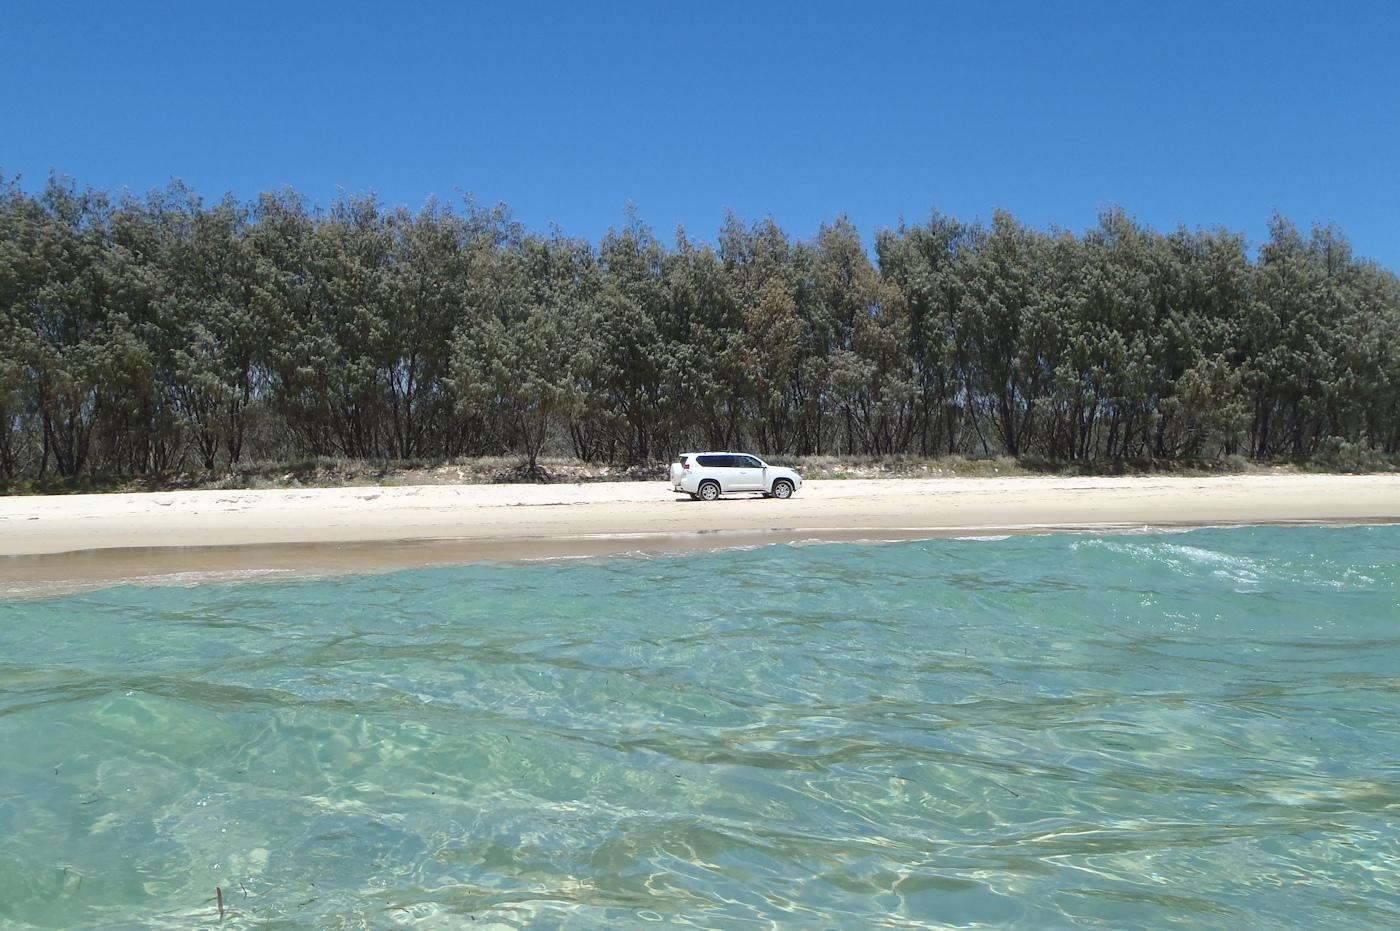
(514, 358)
(923, 262)
(1004, 282)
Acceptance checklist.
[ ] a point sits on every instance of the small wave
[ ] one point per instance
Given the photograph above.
(52, 588)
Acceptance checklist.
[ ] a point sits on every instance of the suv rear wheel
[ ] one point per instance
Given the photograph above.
(709, 491)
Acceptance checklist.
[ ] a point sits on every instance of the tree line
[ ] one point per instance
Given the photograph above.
(157, 334)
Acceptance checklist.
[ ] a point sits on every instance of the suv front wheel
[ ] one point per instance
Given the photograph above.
(782, 488)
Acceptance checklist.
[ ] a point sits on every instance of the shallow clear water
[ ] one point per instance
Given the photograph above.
(1197, 729)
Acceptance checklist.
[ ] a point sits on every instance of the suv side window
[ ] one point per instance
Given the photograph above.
(715, 462)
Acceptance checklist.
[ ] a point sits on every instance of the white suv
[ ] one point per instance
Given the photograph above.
(708, 475)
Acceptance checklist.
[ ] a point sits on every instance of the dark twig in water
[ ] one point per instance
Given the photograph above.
(244, 888)
(219, 894)
(1000, 786)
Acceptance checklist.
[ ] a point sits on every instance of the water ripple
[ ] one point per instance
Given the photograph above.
(1194, 729)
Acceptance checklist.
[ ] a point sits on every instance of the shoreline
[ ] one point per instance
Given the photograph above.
(54, 543)
(57, 574)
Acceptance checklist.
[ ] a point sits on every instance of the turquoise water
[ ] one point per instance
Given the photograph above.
(1198, 729)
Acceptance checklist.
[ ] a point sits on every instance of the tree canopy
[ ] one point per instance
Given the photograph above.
(148, 335)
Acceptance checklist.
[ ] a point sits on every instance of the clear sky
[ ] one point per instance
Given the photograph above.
(1203, 113)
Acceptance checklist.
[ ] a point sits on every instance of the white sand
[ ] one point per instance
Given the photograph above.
(118, 535)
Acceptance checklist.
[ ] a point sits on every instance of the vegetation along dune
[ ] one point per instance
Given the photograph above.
(159, 335)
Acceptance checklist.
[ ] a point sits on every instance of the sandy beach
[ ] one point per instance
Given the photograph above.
(91, 538)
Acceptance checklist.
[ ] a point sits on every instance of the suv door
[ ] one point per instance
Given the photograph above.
(748, 474)
(719, 468)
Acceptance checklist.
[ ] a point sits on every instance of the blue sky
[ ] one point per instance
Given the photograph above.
(1208, 114)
